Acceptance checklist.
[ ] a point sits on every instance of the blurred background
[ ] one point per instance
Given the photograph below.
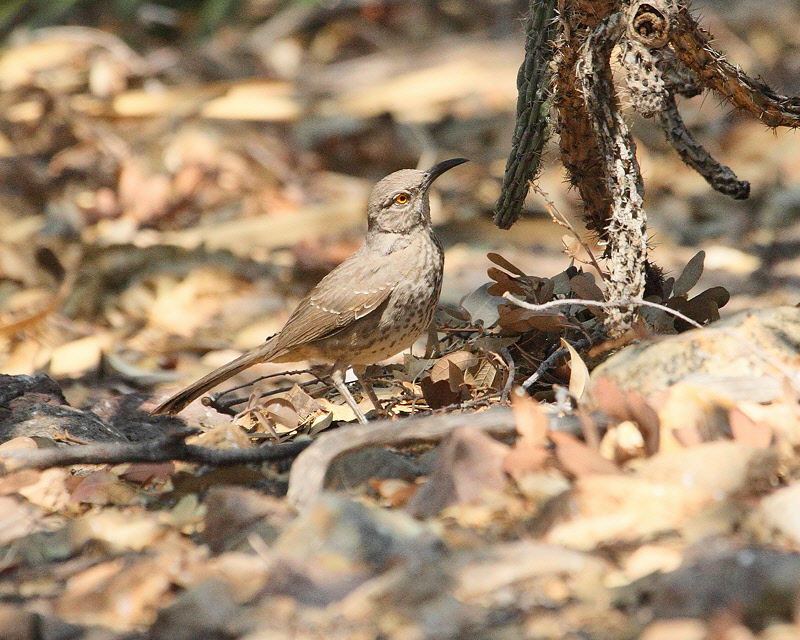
(174, 176)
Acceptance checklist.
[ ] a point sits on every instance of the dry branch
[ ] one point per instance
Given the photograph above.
(307, 477)
(693, 47)
(580, 151)
(694, 154)
(627, 225)
(170, 447)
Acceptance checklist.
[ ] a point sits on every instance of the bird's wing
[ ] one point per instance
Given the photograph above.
(356, 288)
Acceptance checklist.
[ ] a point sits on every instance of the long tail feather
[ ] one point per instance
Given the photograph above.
(177, 402)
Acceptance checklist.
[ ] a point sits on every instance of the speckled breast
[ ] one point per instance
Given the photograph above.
(398, 322)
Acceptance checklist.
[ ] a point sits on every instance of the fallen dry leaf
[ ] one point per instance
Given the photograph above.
(579, 459)
(529, 453)
(104, 488)
(748, 431)
(469, 464)
(18, 518)
(579, 372)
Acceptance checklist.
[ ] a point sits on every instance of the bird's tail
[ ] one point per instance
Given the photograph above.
(177, 402)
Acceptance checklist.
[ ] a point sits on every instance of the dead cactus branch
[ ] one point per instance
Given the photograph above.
(694, 154)
(663, 53)
(626, 228)
(653, 75)
(693, 47)
(580, 150)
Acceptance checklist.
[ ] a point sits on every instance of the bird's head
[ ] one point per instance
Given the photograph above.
(399, 202)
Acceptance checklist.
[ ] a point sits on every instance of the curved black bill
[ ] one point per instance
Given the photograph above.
(438, 169)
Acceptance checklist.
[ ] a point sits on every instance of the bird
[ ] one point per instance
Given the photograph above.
(373, 305)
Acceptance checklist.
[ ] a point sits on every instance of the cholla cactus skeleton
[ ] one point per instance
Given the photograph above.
(663, 53)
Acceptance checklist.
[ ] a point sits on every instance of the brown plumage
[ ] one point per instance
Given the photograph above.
(373, 305)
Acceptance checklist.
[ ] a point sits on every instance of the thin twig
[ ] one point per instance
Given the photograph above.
(561, 220)
(472, 403)
(280, 374)
(603, 304)
(165, 449)
(225, 407)
(506, 355)
(551, 360)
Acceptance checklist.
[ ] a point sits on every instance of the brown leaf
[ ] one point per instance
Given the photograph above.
(12, 482)
(117, 594)
(525, 458)
(699, 309)
(281, 412)
(455, 376)
(521, 320)
(529, 416)
(483, 375)
(225, 436)
(147, 472)
(646, 419)
(532, 288)
(18, 518)
(103, 487)
(703, 308)
(690, 275)
(718, 295)
(578, 459)
(748, 431)
(537, 289)
(620, 406)
(500, 261)
(50, 491)
(118, 530)
(303, 404)
(438, 394)
(503, 282)
(585, 287)
(461, 360)
(529, 453)
(469, 463)
(610, 399)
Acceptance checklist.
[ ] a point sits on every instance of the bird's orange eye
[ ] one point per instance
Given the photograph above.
(401, 199)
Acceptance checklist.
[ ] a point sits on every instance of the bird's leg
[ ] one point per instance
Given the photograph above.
(337, 375)
(367, 387)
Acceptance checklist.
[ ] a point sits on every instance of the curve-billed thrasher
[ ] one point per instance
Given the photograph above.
(373, 305)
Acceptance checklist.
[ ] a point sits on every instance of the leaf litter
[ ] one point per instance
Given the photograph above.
(115, 262)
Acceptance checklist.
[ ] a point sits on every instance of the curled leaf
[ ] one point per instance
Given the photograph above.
(482, 306)
(579, 372)
(460, 360)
